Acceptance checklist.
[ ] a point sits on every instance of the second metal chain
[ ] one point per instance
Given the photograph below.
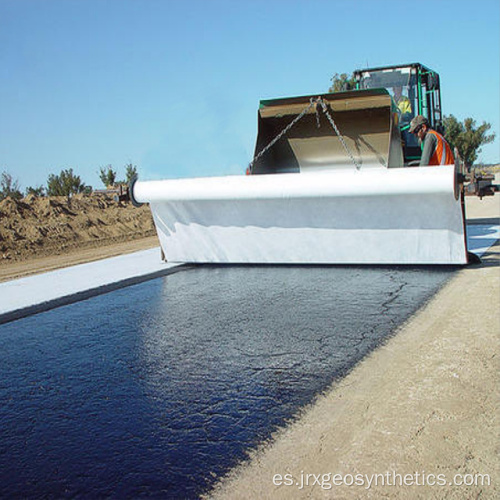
(313, 102)
(332, 123)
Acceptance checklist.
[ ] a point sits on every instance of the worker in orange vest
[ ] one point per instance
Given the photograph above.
(435, 149)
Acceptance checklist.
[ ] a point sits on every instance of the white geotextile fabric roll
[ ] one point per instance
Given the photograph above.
(338, 183)
(376, 216)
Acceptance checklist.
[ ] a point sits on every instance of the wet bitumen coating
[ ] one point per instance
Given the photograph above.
(158, 389)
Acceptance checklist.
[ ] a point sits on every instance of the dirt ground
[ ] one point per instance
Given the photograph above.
(419, 418)
(41, 234)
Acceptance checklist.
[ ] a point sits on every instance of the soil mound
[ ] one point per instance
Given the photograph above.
(41, 226)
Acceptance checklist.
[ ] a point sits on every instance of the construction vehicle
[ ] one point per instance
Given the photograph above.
(354, 202)
(119, 192)
(419, 87)
(415, 84)
(480, 184)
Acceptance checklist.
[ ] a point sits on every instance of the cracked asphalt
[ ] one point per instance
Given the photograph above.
(158, 389)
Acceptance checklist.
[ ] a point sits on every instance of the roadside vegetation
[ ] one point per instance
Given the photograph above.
(65, 183)
(9, 187)
(467, 137)
(108, 175)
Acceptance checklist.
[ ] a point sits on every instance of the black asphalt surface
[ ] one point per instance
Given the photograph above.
(157, 389)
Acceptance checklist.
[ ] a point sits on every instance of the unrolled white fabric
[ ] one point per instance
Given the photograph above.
(375, 216)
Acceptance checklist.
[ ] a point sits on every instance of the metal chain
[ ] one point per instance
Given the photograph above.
(282, 133)
(318, 122)
(330, 119)
(312, 102)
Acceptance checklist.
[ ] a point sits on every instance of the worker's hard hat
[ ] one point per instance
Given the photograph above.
(417, 121)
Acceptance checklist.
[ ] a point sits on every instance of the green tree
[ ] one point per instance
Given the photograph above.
(342, 82)
(467, 137)
(130, 171)
(107, 176)
(64, 184)
(35, 191)
(9, 187)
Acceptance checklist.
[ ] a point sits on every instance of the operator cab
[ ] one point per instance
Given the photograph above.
(415, 91)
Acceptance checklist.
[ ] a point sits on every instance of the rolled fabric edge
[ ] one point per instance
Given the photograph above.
(333, 183)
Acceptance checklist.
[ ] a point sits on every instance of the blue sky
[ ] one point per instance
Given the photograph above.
(173, 86)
